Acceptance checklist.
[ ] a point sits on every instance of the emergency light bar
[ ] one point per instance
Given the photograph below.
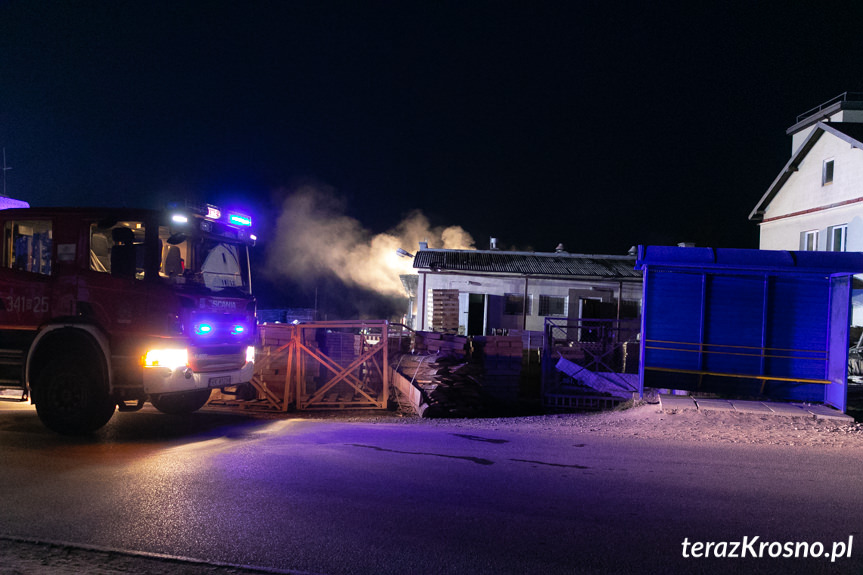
(210, 213)
(240, 220)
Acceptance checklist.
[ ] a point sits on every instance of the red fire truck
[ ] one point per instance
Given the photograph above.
(109, 308)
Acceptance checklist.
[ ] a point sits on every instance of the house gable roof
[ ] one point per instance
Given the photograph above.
(850, 132)
(528, 263)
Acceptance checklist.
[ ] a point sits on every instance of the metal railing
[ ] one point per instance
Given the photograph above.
(843, 97)
(608, 346)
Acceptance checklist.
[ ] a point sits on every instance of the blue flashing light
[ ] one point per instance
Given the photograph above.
(203, 328)
(238, 330)
(240, 220)
(11, 203)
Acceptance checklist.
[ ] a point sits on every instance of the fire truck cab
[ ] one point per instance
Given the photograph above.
(106, 308)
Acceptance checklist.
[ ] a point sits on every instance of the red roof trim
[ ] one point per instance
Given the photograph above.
(813, 210)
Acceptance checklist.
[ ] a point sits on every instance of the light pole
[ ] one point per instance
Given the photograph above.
(5, 168)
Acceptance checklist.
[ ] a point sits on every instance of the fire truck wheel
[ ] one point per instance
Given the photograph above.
(179, 403)
(70, 397)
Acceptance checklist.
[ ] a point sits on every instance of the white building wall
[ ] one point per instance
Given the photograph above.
(502, 285)
(804, 195)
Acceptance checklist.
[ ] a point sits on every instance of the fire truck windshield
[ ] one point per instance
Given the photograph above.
(217, 265)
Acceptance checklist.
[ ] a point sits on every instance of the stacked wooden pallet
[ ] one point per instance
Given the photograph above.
(444, 310)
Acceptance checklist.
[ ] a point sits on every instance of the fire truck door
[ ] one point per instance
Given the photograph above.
(113, 292)
(25, 280)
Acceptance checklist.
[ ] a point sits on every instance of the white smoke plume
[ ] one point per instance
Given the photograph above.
(314, 237)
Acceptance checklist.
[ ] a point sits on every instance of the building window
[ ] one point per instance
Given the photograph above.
(550, 305)
(514, 304)
(809, 241)
(827, 172)
(838, 237)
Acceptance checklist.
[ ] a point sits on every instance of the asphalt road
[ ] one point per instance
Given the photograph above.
(335, 497)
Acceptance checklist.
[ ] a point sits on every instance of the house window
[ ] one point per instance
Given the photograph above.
(827, 172)
(550, 305)
(514, 304)
(809, 241)
(838, 236)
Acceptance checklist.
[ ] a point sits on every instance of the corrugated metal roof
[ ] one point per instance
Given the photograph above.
(527, 263)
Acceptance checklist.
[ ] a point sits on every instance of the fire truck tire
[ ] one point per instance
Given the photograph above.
(181, 403)
(71, 398)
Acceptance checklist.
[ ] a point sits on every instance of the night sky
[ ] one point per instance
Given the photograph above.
(600, 125)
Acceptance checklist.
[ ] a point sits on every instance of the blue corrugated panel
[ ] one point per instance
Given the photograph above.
(744, 321)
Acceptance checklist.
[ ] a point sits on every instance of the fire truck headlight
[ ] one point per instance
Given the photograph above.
(170, 358)
(250, 354)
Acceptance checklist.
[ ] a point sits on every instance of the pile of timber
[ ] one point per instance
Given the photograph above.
(450, 385)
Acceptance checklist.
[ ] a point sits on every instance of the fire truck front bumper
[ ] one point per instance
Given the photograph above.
(166, 380)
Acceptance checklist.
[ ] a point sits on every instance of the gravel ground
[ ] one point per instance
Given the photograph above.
(647, 421)
(644, 421)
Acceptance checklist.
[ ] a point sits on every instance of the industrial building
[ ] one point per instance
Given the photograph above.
(489, 292)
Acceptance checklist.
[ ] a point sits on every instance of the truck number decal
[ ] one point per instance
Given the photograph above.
(24, 304)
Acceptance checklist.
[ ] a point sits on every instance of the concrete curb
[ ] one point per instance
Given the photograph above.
(682, 402)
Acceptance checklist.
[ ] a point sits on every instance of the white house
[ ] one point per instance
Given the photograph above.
(816, 201)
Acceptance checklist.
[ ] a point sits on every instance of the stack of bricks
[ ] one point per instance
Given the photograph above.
(501, 357)
(270, 365)
(444, 310)
(439, 343)
(343, 348)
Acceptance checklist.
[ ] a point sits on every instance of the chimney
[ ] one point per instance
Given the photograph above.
(492, 243)
(424, 245)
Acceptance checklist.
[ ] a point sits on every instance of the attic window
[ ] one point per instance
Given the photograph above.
(827, 172)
